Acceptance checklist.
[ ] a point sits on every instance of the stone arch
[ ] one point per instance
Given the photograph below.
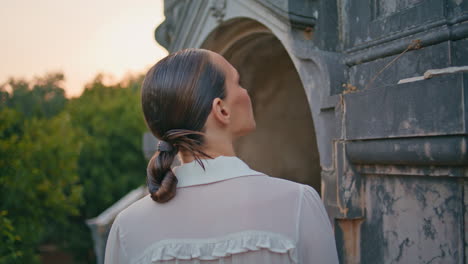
(284, 144)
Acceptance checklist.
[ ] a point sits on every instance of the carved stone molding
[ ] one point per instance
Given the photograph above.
(218, 10)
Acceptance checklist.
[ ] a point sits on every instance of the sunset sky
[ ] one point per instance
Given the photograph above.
(79, 38)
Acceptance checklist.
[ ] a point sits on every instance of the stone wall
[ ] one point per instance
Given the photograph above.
(389, 159)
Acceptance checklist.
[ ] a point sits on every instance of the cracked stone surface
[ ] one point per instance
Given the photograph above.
(413, 220)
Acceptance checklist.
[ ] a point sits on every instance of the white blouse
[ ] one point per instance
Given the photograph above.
(227, 214)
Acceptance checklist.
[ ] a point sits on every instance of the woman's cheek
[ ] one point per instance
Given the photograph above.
(249, 112)
(246, 98)
(244, 116)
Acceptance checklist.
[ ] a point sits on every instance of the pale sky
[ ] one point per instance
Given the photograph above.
(79, 37)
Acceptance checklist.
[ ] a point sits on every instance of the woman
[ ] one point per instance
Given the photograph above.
(224, 212)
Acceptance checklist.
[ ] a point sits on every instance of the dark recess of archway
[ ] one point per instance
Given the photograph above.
(284, 143)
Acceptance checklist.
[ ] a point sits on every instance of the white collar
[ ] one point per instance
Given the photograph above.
(217, 169)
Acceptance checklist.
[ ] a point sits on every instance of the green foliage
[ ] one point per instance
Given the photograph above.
(64, 161)
(10, 250)
(112, 120)
(39, 179)
(111, 161)
(44, 97)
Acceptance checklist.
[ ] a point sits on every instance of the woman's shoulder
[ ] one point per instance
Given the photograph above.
(284, 184)
(130, 211)
(279, 188)
(304, 193)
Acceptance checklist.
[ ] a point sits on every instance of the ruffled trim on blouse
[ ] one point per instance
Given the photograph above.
(217, 248)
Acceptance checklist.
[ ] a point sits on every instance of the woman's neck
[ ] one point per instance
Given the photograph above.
(214, 150)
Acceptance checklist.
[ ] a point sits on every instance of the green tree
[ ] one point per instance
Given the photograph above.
(64, 161)
(43, 97)
(9, 251)
(39, 180)
(111, 162)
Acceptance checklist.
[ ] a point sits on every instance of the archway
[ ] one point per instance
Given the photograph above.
(284, 143)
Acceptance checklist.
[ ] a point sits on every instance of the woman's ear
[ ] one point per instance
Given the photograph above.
(220, 111)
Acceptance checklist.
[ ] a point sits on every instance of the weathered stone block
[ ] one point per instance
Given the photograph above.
(435, 106)
(413, 220)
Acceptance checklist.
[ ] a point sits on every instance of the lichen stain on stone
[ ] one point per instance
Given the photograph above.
(417, 218)
(441, 255)
(405, 243)
(348, 186)
(386, 199)
(450, 204)
(429, 229)
(420, 194)
(423, 192)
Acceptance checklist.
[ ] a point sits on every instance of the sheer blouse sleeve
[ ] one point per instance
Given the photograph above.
(115, 251)
(315, 234)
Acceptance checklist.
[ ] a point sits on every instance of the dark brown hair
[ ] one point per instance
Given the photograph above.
(177, 95)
